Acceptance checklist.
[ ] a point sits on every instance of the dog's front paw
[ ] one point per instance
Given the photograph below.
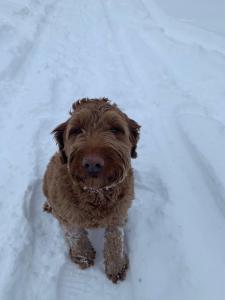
(116, 270)
(83, 257)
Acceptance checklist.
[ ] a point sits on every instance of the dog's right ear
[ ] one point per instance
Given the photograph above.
(134, 136)
(59, 137)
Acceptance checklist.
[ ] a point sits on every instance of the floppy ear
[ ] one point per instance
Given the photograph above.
(59, 137)
(134, 136)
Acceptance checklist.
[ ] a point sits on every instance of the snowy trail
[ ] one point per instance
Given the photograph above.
(164, 73)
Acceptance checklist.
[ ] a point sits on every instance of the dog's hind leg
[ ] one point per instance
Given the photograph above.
(116, 260)
(81, 250)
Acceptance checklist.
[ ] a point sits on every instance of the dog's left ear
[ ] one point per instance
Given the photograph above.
(134, 128)
(59, 137)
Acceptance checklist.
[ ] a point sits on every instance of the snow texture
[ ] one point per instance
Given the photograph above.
(163, 62)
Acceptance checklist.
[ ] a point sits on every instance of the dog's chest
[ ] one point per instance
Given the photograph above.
(95, 207)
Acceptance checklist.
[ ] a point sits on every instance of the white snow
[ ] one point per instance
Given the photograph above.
(163, 62)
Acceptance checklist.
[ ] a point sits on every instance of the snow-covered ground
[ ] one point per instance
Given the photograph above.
(164, 64)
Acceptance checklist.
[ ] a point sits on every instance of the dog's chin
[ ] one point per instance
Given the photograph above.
(91, 182)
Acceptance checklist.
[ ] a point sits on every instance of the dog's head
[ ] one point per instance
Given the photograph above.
(97, 143)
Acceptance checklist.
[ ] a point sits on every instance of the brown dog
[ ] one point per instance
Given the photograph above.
(89, 183)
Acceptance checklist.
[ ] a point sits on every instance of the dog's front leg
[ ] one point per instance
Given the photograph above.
(116, 260)
(81, 250)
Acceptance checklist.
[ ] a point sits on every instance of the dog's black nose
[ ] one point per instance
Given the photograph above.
(92, 164)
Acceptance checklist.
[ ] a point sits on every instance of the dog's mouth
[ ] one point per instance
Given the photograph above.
(97, 183)
(93, 184)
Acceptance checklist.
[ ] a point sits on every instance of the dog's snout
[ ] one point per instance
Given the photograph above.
(92, 164)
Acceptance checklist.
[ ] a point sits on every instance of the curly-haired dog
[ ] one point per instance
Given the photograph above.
(89, 182)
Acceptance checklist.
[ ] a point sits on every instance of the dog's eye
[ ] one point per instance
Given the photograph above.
(75, 131)
(116, 130)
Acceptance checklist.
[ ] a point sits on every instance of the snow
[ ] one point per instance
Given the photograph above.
(163, 62)
(207, 15)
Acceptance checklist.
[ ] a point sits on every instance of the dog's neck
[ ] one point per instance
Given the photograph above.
(102, 198)
(106, 188)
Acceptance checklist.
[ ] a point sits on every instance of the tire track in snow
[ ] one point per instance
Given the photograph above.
(129, 43)
(25, 49)
(82, 284)
(202, 229)
(156, 255)
(117, 45)
(46, 247)
(43, 251)
(151, 43)
(212, 181)
(183, 32)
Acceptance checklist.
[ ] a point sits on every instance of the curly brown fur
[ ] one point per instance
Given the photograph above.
(89, 182)
(81, 250)
(116, 260)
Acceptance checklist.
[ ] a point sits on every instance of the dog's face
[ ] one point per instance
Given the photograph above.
(97, 143)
